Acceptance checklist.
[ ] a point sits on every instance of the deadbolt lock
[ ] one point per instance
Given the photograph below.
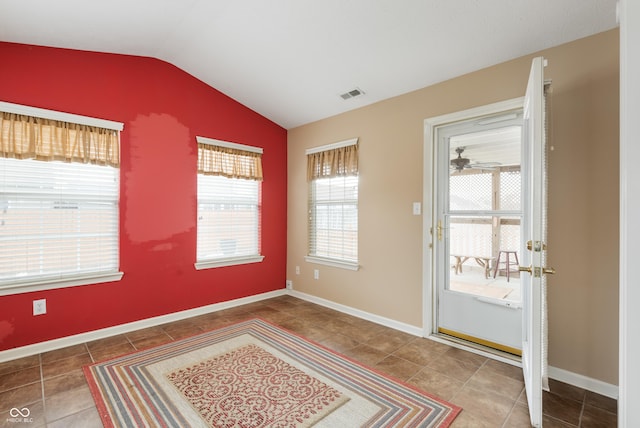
(536, 246)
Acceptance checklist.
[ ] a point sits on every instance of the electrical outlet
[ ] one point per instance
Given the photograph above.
(40, 307)
(289, 285)
(297, 270)
(316, 274)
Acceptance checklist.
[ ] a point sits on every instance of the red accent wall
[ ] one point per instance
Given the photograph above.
(163, 109)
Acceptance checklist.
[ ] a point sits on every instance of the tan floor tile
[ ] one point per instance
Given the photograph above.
(561, 408)
(88, 418)
(235, 312)
(21, 396)
(567, 391)
(103, 354)
(19, 378)
(334, 325)
(273, 316)
(549, 422)
(487, 406)
(339, 342)
(67, 403)
(601, 402)
(66, 365)
(359, 333)
(365, 354)
(421, 351)
(453, 367)
(486, 379)
(467, 420)
(63, 383)
(238, 317)
(397, 367)
(182, 331)
(36, 417)
(436, 383)
(509, 370)
(293, 324)
(390, 341)
(19, 364)
(278, 304)
(60, 354)
(467, 357)
(593, 417)
(150, 342)
(305, 329)
(107, 342)
(518, 418)
(143, 334)
(262, 309)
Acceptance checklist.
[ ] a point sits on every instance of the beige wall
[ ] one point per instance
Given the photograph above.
(583, 198)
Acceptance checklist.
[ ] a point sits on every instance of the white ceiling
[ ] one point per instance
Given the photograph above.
(289, 60)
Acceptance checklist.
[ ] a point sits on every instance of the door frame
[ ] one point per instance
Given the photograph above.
(429, 289)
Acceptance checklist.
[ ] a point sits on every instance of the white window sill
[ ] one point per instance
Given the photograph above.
(333, 262)
(15, 287)
(228, 261)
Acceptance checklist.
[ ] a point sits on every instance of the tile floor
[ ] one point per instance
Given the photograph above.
(52, 386)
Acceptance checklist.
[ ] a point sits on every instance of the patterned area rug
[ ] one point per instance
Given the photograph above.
(254, 374)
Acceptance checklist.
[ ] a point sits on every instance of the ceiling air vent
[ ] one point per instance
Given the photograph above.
(356, 92)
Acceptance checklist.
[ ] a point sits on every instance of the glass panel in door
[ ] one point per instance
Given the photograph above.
(484, 213)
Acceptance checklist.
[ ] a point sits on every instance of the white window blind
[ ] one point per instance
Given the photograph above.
(58, 220)
(333, 221)
(229, 203)
(228, 217)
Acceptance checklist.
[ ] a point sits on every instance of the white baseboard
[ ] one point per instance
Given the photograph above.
(565, 376)
(51, 345)
(407, 328)
(584, 382)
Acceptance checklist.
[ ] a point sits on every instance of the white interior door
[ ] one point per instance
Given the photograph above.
(534, 266)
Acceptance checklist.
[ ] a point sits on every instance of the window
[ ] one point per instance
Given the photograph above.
(229, 203)
(59, 192)
(333, 204)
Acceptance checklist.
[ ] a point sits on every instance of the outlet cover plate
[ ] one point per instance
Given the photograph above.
(40, 307)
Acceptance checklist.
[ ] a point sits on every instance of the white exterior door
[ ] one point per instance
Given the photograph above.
(534, 268)
(465, 310)
(478, 229)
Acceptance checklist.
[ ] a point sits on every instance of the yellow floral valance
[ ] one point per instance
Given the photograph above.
(229, 162)
(29, 137)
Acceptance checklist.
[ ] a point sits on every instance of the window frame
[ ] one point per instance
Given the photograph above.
(236, 260)
(331, 261)
(69, 280)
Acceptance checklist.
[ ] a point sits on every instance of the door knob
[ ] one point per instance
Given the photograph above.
(525, 269)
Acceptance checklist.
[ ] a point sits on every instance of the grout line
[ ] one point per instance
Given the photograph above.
(93, 360)
(44, 402)
(515, 403)
(582, 411)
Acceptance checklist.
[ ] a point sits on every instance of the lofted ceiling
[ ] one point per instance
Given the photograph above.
(290, 60)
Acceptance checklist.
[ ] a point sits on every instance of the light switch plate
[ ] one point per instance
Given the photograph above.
(417, 208)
